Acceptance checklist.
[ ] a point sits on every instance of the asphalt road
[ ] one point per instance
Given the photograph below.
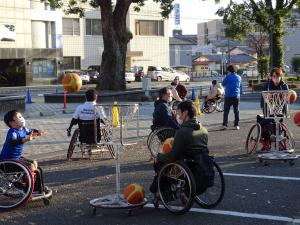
(270, 196)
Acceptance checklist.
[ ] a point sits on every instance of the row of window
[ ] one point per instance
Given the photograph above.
(71, 26)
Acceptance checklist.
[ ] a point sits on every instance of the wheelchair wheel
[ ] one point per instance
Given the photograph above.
(72, 144)
(289, 143)
(253, 139)
(149, 138)
(220, 105)
(213, 195)
(209, 107)
(157, 139)
(176, 187)
(16, 184)
(174, 104)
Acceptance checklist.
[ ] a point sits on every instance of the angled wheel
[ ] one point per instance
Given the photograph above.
(289, 142)
(16, 184)
(72, 144)
(149, 138)
(176, 187)
(220, 105)
(158, 138)
(209, 107)
(253, 139)
(213, 195)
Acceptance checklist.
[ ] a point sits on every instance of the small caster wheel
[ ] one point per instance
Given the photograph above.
(94, 210)
(47, 201)
(155, 203)
(266, 163)
(291, 162)
(129, 212)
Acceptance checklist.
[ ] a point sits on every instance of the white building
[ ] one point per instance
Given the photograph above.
(37, 43)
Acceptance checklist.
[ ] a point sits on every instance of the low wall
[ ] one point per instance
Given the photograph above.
(8, 103)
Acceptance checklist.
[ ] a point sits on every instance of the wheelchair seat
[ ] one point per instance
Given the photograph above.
(87, 131)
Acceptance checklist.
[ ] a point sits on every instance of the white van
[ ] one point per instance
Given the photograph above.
(250, 71)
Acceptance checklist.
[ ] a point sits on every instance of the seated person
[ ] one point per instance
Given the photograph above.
(16, 136)
(216, 90)
(174, 92)
(181, 89)
(190, 142)
(162, 115)
(268, 125)
(86, 112)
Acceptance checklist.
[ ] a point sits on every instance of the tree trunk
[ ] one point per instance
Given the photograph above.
(276, 44)
(115, 39)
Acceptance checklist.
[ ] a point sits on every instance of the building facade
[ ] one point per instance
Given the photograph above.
(30, 42)
(210, 31)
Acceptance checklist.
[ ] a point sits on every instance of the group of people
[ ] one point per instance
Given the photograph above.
(191, 138)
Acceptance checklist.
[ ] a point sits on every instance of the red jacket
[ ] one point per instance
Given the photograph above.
(182, 91)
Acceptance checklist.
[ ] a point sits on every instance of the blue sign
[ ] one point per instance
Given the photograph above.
(177, 14)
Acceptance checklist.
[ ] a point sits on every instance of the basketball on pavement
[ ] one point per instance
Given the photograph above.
(134, 193)
(293, 96)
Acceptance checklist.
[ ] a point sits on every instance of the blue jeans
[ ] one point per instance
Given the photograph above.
(228, 102)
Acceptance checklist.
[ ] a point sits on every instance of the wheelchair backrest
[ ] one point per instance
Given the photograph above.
(87, 131)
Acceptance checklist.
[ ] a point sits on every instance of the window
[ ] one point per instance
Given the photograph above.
(71, 26)
(93, 27)
(72, 63)
(149, 27)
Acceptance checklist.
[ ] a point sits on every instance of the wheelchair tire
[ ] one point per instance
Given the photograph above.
(220, 105)
(72, 144)
(16, 184)
(157, 139)
(289, 136)
(253, 139)
(211, 107)
(213, 195)
(176, 187)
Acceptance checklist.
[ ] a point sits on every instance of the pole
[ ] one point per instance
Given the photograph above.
(65, 102)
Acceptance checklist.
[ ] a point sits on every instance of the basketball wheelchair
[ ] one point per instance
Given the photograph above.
(86, 139)
(270, 137)
(178, 186)
(19, 184)
(211, 105)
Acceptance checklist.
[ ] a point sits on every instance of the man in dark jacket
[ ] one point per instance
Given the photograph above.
(162, 115)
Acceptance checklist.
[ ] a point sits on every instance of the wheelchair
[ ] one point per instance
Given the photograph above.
(177, 189)
(157, 137)
(213, 104)
(18, 185)
(86, 139)
(262, 136)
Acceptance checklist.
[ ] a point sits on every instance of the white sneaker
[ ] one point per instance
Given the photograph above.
(237, 127)
(224, 127)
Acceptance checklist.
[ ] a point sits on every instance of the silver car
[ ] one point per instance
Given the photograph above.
(165, 73)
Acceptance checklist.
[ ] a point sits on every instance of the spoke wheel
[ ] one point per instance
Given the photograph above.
(220, 105)
(209, 107)
(72, 144)
(253, 139)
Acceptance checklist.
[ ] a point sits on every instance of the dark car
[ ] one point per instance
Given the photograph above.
(94, 67)
(138, 72)
(94, 75)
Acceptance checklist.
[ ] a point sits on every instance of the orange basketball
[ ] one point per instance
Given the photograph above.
(167, 145)
(71, 82)
(134, 193)
(293, 96)
(297, 119)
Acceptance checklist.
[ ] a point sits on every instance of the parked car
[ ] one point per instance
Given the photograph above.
(129, 76)
(138, 72)
(164, 73)
(250, 71)
(82, 73)
(94, 67)
(94, 75)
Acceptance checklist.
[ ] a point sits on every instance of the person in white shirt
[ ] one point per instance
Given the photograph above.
(216, 90)
(174, 92)
(88, 111)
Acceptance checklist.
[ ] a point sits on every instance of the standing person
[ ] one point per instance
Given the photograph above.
(162, 115)
(233, 89)
(174, 92)
(181, 89)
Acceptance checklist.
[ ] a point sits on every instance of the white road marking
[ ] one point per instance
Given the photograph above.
(240, 214)
(262, 176)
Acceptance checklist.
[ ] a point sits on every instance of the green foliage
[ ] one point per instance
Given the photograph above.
(263, 65)
(296, 63)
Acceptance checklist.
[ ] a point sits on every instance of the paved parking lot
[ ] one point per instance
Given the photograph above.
(255, 194)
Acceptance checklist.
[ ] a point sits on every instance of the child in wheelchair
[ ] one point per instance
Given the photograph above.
(216, 91)
(190, 146)
(268, 126)
(16, 136)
